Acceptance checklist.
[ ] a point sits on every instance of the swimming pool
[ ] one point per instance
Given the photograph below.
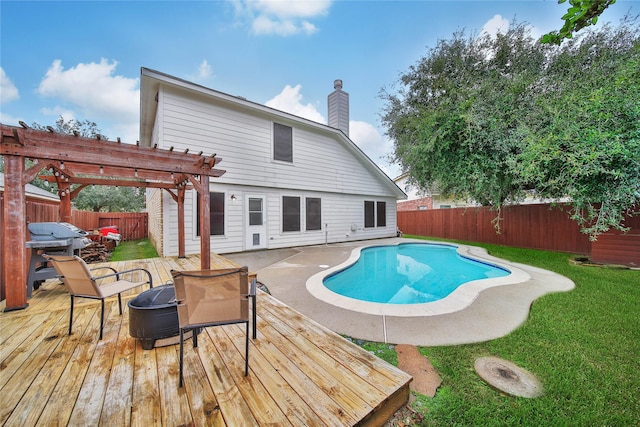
(380, 279)
(409, 273)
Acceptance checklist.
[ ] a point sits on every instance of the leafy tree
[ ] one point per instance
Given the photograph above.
(493, 119)
(104, 198)
(584, 139)
(93, 198)
(86, 128)
(582, 13)
(456, 122)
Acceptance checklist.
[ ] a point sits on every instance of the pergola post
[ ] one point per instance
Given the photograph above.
(64, 191)
(82, 161)
(14, 253)
(205, 224)
(180, 200)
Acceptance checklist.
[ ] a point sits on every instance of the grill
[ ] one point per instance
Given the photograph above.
(51, 238)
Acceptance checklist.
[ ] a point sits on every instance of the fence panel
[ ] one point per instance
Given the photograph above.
(36, 210)
(132, 225)
(526, 226)
(615, 247)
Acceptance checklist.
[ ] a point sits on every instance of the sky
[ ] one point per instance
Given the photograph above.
(81, 59)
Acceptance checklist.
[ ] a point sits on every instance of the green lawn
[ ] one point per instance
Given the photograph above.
(584, 345)
(133, 249)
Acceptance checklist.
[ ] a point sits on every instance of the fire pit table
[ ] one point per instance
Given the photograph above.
(153, 315)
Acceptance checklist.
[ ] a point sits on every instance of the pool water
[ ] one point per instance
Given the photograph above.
(409, 273)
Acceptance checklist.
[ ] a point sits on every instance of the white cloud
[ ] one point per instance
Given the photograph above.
(281, 17)
(498, 24)
(66, 114)
(8, 119)
(204, 70)
(266, 25)
(290, 101)
(111, 101)
(8, 91)
(374, 144)
(291, 8)
(495, 25)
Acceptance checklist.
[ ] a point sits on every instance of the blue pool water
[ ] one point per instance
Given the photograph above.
(409, 273)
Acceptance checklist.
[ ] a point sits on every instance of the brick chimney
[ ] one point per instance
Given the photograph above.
(338, 102)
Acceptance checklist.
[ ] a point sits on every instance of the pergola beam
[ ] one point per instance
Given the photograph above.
(101, 163)
(113, 182)
(52, 146)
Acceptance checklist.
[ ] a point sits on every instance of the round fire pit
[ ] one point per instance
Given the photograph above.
(153, 315)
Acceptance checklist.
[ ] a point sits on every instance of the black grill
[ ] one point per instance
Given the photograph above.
(51, 238)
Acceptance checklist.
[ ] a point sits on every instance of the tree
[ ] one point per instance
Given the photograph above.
(104, 198)
(584, 140)
(456, 121)
(493, 119)
(582, 13)
(94, 198)
(86, 129)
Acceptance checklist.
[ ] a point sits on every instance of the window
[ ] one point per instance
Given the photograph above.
(216, 214)
(375, 214)
(369, 214)
(314, 213)
(282, 143)
(290, 213)
(381, 213)
(255, 211)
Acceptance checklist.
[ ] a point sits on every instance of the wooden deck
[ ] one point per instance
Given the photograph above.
(301, 373)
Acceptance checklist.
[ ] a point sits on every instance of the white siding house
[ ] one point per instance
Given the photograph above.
(289, 181)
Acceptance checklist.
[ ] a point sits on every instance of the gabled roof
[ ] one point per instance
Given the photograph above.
(33, 191)
(151, 80)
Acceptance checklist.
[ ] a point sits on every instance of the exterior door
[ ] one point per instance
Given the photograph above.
(256, 229)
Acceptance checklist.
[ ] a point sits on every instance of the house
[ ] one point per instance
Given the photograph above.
(34, 194)
(289, 181)
(423, 199)
(419, 199)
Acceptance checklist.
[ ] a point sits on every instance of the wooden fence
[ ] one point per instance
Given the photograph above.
(132, 226)
(526, 226)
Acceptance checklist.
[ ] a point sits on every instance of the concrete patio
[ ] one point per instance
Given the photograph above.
(494, 313)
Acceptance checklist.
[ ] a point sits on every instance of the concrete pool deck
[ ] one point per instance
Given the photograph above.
(494, 313)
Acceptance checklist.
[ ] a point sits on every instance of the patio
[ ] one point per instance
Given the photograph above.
(301, 373)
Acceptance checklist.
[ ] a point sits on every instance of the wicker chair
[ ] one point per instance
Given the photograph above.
(81, 283)
(212, 298)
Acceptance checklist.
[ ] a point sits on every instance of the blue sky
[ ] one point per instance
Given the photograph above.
(82, 59)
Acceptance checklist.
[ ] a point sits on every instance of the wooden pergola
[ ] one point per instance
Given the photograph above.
(85, 161)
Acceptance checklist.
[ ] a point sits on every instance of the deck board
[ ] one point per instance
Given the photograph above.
(300, 373)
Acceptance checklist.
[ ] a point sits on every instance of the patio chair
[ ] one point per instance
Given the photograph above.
(81, 283)
(213, 298)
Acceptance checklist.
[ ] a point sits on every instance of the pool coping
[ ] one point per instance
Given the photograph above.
(461, 298)
(496, 312)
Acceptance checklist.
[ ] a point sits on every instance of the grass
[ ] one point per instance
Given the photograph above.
(584, 346)
(133, 249)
